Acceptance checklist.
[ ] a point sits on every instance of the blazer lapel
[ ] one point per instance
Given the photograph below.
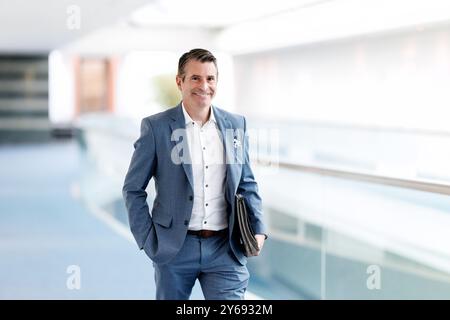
(227, 133)
(182, 145)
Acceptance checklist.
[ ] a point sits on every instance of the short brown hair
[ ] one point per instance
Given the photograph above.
(201, 55)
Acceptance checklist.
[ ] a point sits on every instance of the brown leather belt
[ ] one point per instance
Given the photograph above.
(208, 233)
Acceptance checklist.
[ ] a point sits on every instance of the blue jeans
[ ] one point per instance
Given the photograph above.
(211, 261)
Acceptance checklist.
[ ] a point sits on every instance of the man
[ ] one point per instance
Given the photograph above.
(199, 162)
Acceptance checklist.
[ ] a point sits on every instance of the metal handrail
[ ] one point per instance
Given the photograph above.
(417, 184)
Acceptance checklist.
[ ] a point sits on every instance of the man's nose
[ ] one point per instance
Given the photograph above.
(204, 85)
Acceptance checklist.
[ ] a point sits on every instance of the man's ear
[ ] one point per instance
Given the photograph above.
(178, 81)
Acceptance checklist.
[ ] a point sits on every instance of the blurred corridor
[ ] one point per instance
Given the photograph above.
(347, 108)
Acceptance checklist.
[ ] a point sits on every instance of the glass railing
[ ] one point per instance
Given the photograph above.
(336, 238)
(359, 230)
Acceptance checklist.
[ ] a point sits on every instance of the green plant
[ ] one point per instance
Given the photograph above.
(167, 93)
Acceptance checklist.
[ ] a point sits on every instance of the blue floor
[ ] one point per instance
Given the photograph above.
(44, 229)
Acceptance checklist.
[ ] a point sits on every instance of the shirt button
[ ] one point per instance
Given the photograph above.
(206, 186)
(206, 167)
(206, 204)
(204, 222)
(204, 148)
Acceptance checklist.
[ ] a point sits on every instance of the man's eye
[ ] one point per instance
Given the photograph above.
(194, 78)
(211, 79)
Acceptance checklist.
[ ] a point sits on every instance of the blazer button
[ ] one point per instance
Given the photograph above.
(190, 198)
(186, 222)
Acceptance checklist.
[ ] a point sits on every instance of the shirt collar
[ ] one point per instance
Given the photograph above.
(188, 119)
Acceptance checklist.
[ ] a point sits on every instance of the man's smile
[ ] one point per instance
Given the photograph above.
(202, 94)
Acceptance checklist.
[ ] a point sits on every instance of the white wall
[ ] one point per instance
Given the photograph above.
(399, 79)
(61, 89)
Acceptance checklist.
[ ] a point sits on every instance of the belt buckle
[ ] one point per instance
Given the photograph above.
(206, 233)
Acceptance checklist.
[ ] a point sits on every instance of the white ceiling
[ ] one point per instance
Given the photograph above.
(236, 26)
(214, 14)
(40, 26)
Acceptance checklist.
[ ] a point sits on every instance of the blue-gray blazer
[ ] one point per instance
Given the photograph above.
(162, 233)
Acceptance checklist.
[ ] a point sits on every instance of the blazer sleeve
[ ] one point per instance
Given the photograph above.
(248, 187)
(141, 169)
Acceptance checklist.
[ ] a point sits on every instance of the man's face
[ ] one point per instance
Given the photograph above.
(199, 84)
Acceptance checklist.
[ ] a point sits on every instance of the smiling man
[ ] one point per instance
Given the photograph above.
(192, 232)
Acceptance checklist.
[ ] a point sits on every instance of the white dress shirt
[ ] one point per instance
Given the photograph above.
(208, 171)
